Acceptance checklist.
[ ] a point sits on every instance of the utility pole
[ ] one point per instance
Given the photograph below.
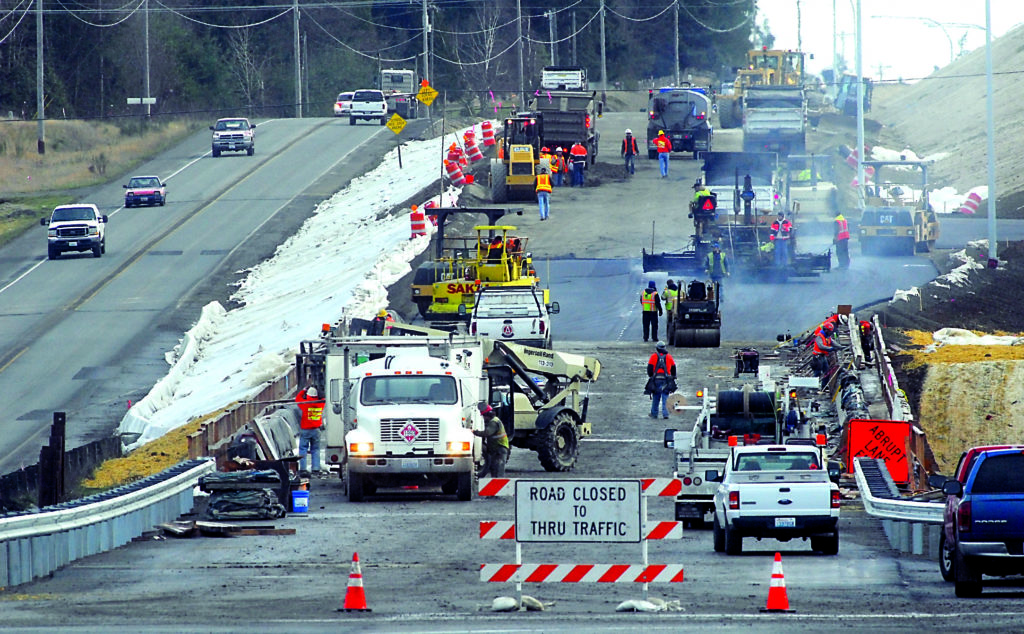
(426, 43)
(305, 68)
(41, 139)
(519, 45)
(835, 54)
(990, 133)
(573, 38)
(675, 21)
(145, 18)
(799, 36)
(604, 67)
(298, 61)
(551, 33)
(860, 112)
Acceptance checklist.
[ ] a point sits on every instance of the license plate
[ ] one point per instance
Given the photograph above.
(231, 146)
(72, 244)
(785, 522)
(410, 463)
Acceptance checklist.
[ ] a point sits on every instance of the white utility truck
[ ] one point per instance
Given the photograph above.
(775, 491)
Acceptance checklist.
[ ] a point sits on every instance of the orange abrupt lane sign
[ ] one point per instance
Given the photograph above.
(885, 439)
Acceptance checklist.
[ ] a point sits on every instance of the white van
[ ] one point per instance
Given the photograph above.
(513, 313)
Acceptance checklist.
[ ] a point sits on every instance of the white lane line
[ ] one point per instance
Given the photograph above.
(620, 440)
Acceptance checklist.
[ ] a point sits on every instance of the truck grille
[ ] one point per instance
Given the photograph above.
(429, 429)
(76, 231)
(234, 136)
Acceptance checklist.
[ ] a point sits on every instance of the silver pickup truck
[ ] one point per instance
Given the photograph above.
(775, 491)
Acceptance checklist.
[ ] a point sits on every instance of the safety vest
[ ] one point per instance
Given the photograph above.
(557, 164)
(716, 264)
(781, 230)
(702, 192)
(629, 145)
(544, 156)
(501, 438)
(670, 295)
(822, 344)
(663, 363)
(647, 300)
(663, 144)
(578, 153)
(842, 228)
(543, 183)
(312, 410)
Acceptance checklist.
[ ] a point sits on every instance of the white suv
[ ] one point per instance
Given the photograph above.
(368, 105)
(75, 228)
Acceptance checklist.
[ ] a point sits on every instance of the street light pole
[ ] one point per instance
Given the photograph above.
(41, 140)
(145, 17)
(990, 133)
(860, 112)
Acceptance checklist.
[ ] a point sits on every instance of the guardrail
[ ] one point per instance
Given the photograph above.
(35, 544)
(911, 526)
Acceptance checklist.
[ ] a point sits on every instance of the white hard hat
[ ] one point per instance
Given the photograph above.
(628, 131)
(312, 392)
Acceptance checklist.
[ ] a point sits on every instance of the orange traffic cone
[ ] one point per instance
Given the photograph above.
(355, 597)
(777, 599)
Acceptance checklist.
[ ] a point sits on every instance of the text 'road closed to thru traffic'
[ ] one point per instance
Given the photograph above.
(578, 511)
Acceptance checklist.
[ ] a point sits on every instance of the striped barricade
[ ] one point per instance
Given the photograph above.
(504, 529)
(651, 487)
(581, 573)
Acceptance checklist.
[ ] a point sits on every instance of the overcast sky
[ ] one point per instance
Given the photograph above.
(907, 38)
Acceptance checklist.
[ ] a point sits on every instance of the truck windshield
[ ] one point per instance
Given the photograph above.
(510, 305)
(73, 213)
(788, 461)
(388, 390)
(1000, 474)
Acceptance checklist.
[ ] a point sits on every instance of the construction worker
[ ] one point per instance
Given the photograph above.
(664, 147)
(717, 266)
(381, 324)
(558, 167)
(823, 345)
(578, 158)
(841, 239)
(661, 379)
(312, 408)
(867, 342)
(629, 152)
(650, 308)
(497, 448)
(543, 190)
(669, 298)
(545, 155)
(782, 230)
(700, 189)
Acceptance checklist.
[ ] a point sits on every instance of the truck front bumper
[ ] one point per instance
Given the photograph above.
(411, 466)
(75, 244)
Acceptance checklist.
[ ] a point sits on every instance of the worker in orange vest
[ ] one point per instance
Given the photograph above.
(543, 190)
(312, 408)
(664, 147)
(578, 158)
(558, 167)
(629, 152)
(823, 345)
(842, 240)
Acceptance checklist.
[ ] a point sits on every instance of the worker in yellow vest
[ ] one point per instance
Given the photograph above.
(650, 307)
(841, 239)
(543, 190)
(669, 297)
(558, 167)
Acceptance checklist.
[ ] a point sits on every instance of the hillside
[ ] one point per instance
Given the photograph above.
(946, 113)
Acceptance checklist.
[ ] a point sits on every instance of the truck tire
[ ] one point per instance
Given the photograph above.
(718, 536)
(946, 560)
(251, 150)
(558, 444)
(383, 120)
(216, 152)
(52, 253)
(97, 250)
(967, 580)
(355, 487)
(499, 188)
(464, 486)
(826, 544)
(733, 542)
(351, 120)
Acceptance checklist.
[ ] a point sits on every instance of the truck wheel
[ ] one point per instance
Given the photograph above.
(52, 253)
(718, 536)
(251, 150)
(351, 120)
(826, 544)
(499, 189)
(97, 250)
(383, 121)
(733, 542)
(559, 443)
(946, 559)
(103, 246)
(464, 486)
(967, 579)
(216, 152)
(355, 487)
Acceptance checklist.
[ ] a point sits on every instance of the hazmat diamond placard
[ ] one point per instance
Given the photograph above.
(410, 432)
(396, 123)
(427, 95)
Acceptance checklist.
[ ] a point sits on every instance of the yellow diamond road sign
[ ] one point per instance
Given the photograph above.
(427, 95)
(396, 123)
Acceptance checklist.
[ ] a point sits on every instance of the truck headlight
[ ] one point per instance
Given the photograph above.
(51, 233)
(360, 447)
(459, 447)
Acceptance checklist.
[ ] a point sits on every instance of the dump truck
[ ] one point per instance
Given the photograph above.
(897, 217)
(567, 117)
(764, 68)
(774, 119)
(401, 408)
(444, 288)
(683, 113)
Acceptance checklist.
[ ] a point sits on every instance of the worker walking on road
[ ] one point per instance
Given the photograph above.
(841, 238)
(782, 230)
(650, 306)
(629, 152)
(661, 379)
(558, 167)
(717, 267)
(496, 448)
(312, 408)
(578, 157)
(543, 191)
(664, 147)
(669, 298)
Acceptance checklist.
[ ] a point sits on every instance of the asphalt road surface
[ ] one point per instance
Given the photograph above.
(420, 551)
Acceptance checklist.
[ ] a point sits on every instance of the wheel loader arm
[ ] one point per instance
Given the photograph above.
(548, 363)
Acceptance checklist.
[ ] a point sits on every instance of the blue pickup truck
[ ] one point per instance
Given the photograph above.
(983, 531)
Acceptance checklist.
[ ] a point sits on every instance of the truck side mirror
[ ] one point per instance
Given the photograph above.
(937, 480)
(670, 438)
(124, 186)
(103, 219)
(953, 487)
(711, 475)
(211, 127)
(43, 221)
(462, 310)
(835, 471)
(553, 309)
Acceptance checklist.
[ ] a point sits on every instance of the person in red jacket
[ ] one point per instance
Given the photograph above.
(578, 160)
(312, 408)
(664, 147)
(629, 151)
(661, 373)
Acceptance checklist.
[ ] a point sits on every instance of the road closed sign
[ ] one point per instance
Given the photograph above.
(578, 511)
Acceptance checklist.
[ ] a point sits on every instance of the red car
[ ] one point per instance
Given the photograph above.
(145, 190)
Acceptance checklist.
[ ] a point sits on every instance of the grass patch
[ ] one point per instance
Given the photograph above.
(17, 216)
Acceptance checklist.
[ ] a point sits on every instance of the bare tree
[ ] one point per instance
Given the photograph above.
(248, 67)
(479, 47)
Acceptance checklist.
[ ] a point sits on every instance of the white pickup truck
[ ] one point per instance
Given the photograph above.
(776, 491)
(513, 313)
